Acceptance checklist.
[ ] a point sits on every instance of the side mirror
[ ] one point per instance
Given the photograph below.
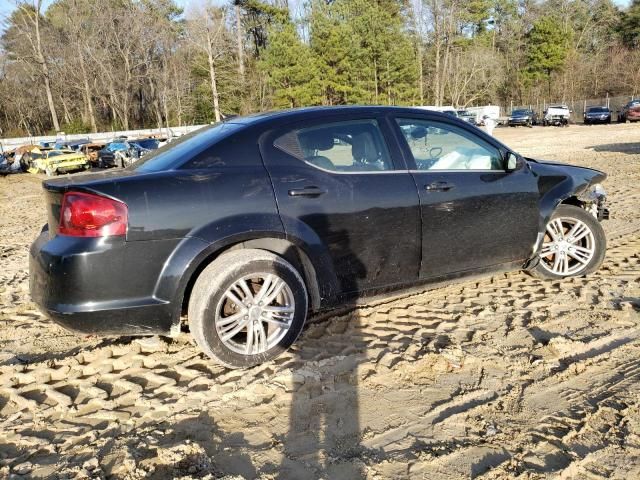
(512, 162)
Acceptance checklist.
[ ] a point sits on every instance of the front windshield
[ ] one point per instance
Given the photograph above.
(598, 110)
(55, 153)
(174, 154)
(520, 112)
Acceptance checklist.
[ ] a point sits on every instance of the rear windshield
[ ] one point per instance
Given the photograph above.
(175, 153)
(598, 109)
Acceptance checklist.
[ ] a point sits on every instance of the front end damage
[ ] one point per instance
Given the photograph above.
(593, 200)
(560, 183)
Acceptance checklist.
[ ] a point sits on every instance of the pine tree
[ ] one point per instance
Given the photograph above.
(291, 68)
(546, 49)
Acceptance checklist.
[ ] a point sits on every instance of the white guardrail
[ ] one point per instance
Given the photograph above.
(11, 143)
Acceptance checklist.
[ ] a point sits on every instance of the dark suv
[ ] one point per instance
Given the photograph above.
(248, 225)
(524, 117)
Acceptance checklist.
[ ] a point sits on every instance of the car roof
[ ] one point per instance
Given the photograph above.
(316, 112)
(276, 119)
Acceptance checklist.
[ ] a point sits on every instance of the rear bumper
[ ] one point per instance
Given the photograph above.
(101, 285)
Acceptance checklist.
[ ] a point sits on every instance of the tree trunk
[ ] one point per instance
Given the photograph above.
(239, 44)
(420, 73)
(65, 110)
(45, 71)
(214, 86)
(375, 79)
(87, 92)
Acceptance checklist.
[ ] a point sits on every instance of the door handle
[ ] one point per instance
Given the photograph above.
(306, 192)
(438, 187)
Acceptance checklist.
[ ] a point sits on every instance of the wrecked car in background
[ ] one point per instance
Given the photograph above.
(122, 153)
(90, 150)
(54, 162)
(557, 115)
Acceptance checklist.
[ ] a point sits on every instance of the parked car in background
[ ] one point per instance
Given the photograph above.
(90, 150)
(492, 111)
(595, 115)
(54, 162)
(146, 143)
(106, 156)
(467, 116)
(121, 153)
(557, 115)
(248, 225)
(449, 110)
(522, 116)
(71, 145)
(630, 112)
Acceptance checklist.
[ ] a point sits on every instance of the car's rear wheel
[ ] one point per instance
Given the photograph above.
(247, 307)
(574, 244)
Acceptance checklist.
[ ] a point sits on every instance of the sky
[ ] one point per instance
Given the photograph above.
(7, 6)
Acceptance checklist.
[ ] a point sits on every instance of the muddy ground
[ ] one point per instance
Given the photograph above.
(498, 377)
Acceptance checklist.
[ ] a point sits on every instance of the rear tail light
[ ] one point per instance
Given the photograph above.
(90, 215)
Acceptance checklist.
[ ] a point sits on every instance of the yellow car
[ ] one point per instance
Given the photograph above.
(53, 162)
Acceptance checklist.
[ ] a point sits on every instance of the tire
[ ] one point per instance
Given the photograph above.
(596, 240)
(209, 305)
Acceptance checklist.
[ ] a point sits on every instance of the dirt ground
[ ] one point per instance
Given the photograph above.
(501, 377)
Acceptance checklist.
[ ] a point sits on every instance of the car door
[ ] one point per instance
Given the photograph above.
(475, 213)
(343, 189)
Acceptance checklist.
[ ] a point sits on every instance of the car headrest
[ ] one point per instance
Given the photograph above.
(363, 148)
(418, 132)
(316, 140)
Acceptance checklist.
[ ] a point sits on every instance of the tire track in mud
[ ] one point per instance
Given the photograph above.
(139, 384)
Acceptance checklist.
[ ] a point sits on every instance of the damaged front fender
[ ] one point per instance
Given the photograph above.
(561, 183)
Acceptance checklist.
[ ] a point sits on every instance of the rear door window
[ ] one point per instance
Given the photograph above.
(347, 147)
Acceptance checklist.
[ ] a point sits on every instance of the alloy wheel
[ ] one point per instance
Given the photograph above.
(568, 246)
(254, 313)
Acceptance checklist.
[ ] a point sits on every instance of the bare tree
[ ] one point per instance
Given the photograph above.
(207, 33)
(31, 32)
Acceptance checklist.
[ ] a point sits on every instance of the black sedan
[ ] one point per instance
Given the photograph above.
(524, 117)
(597, 115)
(248, 225)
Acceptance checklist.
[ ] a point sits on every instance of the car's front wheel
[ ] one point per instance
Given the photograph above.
(574, 244)
(247, 307)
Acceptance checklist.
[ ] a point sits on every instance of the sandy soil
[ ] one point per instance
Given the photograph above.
(502, 377)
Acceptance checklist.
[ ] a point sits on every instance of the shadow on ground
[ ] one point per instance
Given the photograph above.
(628, 148)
